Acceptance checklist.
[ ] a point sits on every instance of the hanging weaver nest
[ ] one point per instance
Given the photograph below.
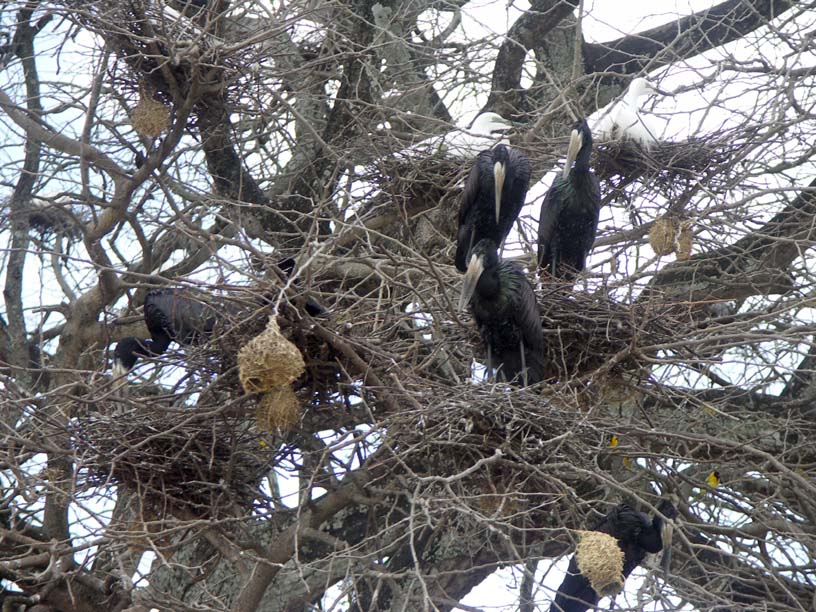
(662, 236)
(269, 361)
(204, 465)
(278, 409)
(149, 117)
(600, 560)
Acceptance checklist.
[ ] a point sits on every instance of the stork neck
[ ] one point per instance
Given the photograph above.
(582, 159)
(489, 283)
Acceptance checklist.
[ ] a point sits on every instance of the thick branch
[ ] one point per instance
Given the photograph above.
(682, 39)
(754, 265)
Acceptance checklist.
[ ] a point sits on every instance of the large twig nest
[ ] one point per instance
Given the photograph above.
(269, 361)
(600, 560)
(195, 463)
(278, 409)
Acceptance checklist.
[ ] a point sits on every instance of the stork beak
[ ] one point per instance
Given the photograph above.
(119, 369)
(504, 125)
(666, 536)
(474, 271)
(498, 182)
(575, 143)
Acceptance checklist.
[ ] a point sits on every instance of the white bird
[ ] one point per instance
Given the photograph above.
(487, 130)
(624, 120)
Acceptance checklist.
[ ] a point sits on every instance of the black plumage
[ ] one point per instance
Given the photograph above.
(310, 305)
(493, 197)
(171, 315)
(506, 311)
(185, 317)
(569, 213)
(637, 535)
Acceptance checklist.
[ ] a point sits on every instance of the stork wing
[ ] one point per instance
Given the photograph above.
(550, 211)
(528, 320)
(464, 235)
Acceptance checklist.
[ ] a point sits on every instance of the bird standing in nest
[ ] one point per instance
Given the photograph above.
(624, 121)
(492, 200)
(569, 214)
(506, 311)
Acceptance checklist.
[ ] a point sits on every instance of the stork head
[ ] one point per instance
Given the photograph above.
(483, 255)
(580, 137)
(490, 124)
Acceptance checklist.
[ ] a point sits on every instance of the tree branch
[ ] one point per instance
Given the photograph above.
(682, 39)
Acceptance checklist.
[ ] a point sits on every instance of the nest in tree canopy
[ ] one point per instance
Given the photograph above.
(278, 409)
(662, 235)
(583, 331)
(269, 361)
(663, 162)
(149, 117)
(201, 464)
(600, 560)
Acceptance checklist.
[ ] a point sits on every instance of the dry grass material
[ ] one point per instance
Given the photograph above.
(269, 361)
(199, 464)
(149, 117)
(600, 560)
(662, 236)
(278, 410)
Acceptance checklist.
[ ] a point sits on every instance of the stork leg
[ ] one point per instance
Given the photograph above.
(523, 363)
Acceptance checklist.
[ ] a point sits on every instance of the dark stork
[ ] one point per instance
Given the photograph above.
(569, 213)
(506, 311)
(493, 197)
(171, 315)
(636, 535)
(312, 307)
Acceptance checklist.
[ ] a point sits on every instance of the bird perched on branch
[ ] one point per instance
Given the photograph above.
(493, 197)
(506, 311)
(569, 213)
(185, 317)
(636, 535)
(171, 315)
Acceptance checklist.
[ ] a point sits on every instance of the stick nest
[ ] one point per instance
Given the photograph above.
(204, 465)
(583, 332)
(600, 560)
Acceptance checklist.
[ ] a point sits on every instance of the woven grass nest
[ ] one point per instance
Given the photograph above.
(200, 464)
(269, 364)
(600, 560)
(269, 361)
(149, 117)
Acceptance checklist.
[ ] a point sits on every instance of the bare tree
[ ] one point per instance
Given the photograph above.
(200, 144)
